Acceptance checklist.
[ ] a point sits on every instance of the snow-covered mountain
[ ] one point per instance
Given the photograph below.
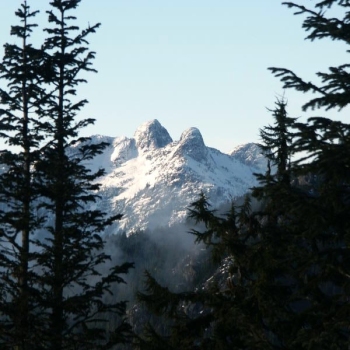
(152, 179)
(250, 154)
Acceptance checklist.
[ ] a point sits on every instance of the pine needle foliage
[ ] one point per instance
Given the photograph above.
(56, 279)
(20, 70)
(72, 254)
(211, 317)
(321, 212)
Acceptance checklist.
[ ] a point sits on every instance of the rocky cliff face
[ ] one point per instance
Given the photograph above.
(152, 179)
(250, 154)
(151, 135)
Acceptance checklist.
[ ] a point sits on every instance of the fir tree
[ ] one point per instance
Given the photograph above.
(322, 259)
(277, 141)
(72, 255)
(64, 263)
(21, 132)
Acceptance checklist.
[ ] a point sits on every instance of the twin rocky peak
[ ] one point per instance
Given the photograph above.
(152, 179)
(152, 135)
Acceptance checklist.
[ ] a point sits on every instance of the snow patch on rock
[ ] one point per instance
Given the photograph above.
(151, 135)
(152, 180)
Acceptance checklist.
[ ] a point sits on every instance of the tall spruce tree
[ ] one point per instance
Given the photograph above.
(72, 254)
(322, 213)
(18, 219)
(56, 287)
(277, 141)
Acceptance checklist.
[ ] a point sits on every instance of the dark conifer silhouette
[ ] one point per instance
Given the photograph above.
(322, 212)
(56, 292)
(20, 70)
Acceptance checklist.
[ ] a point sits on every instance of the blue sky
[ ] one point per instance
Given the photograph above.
(200, 63)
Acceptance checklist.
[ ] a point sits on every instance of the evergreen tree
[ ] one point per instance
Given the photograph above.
(277, 141)
(72, 254)
(21, 132)
(56, 292)
(321, 214)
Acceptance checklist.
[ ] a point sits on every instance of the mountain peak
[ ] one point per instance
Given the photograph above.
(152, 180)
(191, 143)
(250, 154)
(192, 133)
(151, 135)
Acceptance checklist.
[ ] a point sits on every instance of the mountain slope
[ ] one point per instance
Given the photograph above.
(152, 179)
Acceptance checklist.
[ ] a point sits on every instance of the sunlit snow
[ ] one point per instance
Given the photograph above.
(152, 179)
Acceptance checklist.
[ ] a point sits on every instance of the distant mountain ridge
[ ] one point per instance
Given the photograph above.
(152, 179)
